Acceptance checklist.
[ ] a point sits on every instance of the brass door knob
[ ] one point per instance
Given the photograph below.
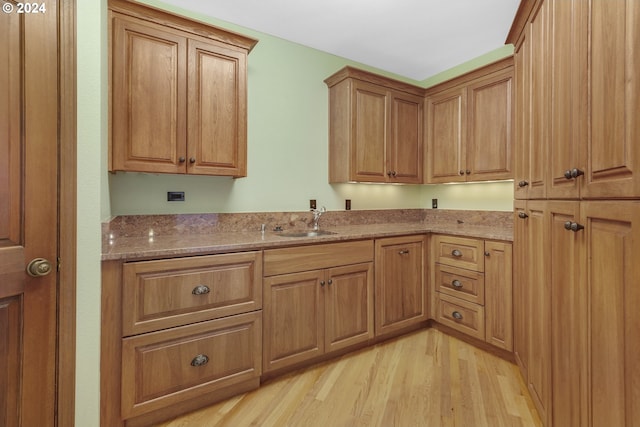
(39, 267)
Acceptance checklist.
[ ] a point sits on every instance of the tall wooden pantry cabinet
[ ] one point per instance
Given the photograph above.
(577, 209)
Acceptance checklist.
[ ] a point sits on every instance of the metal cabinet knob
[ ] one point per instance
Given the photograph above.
(39, 267)
(182, 159)
(468, 172)
(200, 360)
(456, 253)
(457, 284)
(523, 184)
(403, 252)
(192, 160)
(322, 283)
(522, 215)
(461, 172)
(456, 315)
(573, 226)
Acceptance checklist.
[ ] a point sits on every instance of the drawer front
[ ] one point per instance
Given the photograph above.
(460, 283)
(316, 257)
(166, 293)
(460, 252)
(461, 315)
(171, 366)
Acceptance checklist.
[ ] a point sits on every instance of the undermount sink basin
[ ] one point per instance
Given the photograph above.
(309, 233)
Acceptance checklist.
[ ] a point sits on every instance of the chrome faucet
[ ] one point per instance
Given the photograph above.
(317, 213)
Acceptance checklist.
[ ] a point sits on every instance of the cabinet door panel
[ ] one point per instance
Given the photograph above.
(348, 306)
(148, 105)
(522, 67)
(614, 136)
(406, 133)
(294, 319)
(568, 317)
(371, 115)
(521, 308)
(612, 233)
(490, 135)
(446, 133)
(539, 297)
(217, 110)
(538, 120)
(400, 277)
(498, 295)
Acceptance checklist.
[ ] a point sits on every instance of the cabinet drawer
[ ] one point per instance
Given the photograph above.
(460, 252)
(458, 282)
(171, 366)
(461, 315)
(167, 293)
(316, 257)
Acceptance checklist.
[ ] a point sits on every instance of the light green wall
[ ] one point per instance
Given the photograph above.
(287, 166)
(287, 145)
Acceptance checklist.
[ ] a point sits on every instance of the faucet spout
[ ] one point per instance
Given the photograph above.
(317, 213)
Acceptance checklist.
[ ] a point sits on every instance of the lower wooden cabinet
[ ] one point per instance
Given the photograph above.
(472, 285)
(178, 334)
(401, 292)
(578, 325)
(312, 312)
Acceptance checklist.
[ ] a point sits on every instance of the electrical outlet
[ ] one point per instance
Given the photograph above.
(347, 204)
(312, 204)
(434, 203)
(175, 196)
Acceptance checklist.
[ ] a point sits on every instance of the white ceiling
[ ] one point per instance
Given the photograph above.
(412, 38)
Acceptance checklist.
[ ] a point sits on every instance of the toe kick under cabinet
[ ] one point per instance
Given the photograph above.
(190, 334)
(472, 283)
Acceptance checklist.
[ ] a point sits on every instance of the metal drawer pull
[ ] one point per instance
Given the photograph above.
(522, 215)
(456, 253)
(456, 315)
(201, 290)
(456, 284)
(403, 252)
(200, 360)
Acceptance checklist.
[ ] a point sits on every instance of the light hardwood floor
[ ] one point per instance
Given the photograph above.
(422, 379)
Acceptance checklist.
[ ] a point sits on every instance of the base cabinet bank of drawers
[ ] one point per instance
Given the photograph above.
(187, 331)
(472, 280)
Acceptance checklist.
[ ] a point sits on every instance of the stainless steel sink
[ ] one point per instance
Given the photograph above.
(308, 233)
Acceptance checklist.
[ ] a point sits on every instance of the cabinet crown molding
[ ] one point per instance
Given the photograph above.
(182, 23)
(355, 73)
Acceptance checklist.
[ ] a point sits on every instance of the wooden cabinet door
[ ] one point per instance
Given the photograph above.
(612, 245)
(293, 319)
(537, 37)
(498, 304)
(613, 160)
(521, 316)
(148, 105)
(522, 70)
(538, 282)
(400, 283)
(29, 99)
(568, 316)
(445, 134)
(217, 116)
(348, 294)
(370, 112)
(567, 98)
(405, 153)
(490, 128)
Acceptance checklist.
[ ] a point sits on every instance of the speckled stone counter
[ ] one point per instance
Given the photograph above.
(138, 237)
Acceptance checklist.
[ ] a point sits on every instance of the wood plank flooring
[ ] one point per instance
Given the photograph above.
(422, 379)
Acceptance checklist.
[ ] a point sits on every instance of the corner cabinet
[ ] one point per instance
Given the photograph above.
(178, 97)
(401, 291)
(375, 129)
(469, 126)
(317, 299)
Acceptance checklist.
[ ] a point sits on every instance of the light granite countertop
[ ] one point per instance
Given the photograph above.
(146, 243)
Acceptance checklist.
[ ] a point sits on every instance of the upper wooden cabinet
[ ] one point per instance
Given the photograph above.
(375, 129)
(577, 80)
(178, 100)
(469, 126)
